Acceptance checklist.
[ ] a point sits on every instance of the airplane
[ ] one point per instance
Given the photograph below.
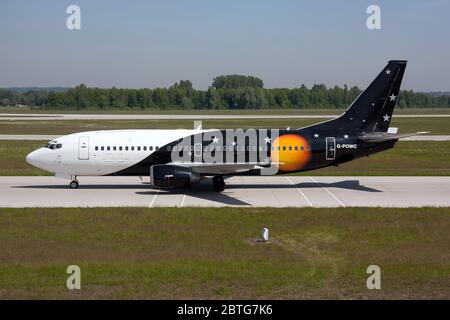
(181, 157)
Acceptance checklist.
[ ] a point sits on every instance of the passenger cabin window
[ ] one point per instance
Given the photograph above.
(107, 148)
(96, 148)
(102, 148)
(150, 148)
(138, 148)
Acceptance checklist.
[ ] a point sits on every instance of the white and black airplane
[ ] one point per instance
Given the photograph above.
(180, 158)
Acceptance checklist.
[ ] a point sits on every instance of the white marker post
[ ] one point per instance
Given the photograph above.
(265, 234)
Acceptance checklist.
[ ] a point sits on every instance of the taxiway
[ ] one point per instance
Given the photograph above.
(262, 191)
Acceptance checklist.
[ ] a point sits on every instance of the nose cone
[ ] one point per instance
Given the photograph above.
(41, 159)
(32, 158)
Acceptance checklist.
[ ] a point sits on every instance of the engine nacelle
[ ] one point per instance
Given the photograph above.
(170, 176)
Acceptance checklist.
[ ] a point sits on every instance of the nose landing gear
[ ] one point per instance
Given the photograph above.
(74, 183)
(218, 183)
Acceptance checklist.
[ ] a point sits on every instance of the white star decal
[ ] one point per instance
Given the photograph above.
(267, 139)
(345, 136)
(388, 71)
(386, 117)
(215, 140)
(392, 97)
(316, 135)
(233, 143)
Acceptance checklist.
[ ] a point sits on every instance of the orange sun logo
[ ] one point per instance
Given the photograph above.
(292, 151)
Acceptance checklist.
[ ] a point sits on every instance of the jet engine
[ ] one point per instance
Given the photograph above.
(169, 176)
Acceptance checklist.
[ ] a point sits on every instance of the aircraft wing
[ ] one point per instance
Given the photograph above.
(386, 136)
(224, 168)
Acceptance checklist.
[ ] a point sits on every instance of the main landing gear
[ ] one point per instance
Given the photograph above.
(74, 183)
(218, 183)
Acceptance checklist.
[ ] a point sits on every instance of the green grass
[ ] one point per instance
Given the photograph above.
(71, 126)
(12, 158)
(408, 158)
(208, 253)
(406, 125)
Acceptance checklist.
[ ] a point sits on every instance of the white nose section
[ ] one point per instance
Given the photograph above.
(32, 158)
(41, 159)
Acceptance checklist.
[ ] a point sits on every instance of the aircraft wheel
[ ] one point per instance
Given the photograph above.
(73, 184)
(218, 184)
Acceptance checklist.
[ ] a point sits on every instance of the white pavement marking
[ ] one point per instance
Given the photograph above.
(184, 198)
(427, 138)
(329, 192)
(154, 198)
(27, 137)
(300, 191)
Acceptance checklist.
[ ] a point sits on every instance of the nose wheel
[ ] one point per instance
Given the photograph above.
(73, 184)
(218, 183)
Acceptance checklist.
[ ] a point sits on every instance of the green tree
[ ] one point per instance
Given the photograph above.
(235, 81)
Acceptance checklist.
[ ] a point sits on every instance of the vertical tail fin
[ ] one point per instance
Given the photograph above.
(372, 110)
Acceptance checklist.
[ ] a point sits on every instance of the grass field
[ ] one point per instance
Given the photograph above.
(433, 125)
(407, 158)
(209, 253)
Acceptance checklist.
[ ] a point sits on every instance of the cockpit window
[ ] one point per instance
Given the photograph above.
(53, 145)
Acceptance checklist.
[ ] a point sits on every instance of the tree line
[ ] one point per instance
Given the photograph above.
(226, 92)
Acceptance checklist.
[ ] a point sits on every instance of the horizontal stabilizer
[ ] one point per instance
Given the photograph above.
(385, 136)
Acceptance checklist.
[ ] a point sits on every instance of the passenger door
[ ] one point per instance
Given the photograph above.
(198, 151)
(83, 148)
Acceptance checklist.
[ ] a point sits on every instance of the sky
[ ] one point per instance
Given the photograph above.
(148, 44)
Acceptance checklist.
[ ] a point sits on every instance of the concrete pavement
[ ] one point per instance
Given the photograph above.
(254, 191)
